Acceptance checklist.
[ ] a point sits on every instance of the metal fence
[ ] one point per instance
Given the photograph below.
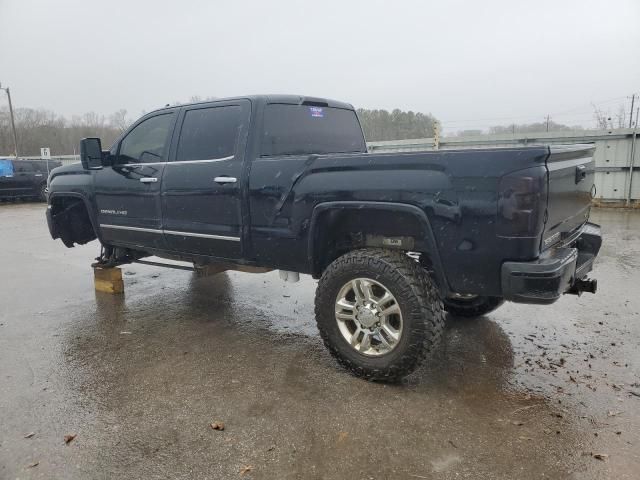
(617, 156)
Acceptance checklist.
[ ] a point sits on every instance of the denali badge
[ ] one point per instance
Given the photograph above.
(113, 212)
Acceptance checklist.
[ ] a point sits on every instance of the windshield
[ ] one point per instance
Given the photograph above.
(304, 129)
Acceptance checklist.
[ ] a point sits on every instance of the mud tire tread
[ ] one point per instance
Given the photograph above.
(419, 298)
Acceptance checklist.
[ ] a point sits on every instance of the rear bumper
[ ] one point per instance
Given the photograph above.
(561, 270)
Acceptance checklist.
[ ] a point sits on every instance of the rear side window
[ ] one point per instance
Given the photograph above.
(209, 133)
(304, 129)
(146, 143)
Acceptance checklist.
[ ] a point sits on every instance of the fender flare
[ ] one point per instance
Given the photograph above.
(412, 210)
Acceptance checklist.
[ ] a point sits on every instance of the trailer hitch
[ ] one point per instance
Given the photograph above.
(584, 285)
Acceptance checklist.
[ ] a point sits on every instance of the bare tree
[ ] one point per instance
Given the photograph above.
(36, 128)
(119, 120)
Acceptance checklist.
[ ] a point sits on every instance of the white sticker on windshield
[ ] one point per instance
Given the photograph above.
(316, 112)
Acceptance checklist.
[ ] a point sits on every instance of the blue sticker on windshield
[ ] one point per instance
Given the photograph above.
(316, 112)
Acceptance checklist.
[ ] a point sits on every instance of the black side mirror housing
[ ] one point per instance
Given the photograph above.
(91, 153)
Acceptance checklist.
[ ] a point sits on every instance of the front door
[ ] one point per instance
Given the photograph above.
(128, 190)
(23, 178)
(202, 184)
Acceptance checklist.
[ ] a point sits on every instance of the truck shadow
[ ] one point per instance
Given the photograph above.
(474, 353)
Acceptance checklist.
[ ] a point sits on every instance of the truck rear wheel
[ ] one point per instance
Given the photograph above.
(378, 313)
(474, 306)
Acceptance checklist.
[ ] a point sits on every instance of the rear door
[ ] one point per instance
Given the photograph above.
(571, 182)
(202, 185)
(128, 191)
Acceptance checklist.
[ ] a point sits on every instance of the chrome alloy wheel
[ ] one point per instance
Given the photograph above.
(369, 317)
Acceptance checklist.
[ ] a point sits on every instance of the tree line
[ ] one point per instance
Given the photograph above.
(381, 125)
(37, 128)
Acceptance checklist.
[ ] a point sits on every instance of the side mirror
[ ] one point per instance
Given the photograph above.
(91, 153)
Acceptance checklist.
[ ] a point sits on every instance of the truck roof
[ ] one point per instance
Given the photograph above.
(274, 98)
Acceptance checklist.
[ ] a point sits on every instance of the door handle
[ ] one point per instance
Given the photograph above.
(225, 179)
(148, 179)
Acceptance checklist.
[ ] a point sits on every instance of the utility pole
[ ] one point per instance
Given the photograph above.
(436, 135)
(633, 99)
(547, 123)
(13, 123)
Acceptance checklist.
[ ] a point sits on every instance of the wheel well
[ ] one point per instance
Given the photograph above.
(340, 230)
(71, 221)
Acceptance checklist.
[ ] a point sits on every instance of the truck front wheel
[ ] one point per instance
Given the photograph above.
(472, 306)
(378, 313)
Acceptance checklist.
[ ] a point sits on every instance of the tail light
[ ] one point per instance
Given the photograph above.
(522, 199)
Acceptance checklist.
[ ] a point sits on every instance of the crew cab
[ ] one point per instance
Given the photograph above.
(25, 178)
(396, 239)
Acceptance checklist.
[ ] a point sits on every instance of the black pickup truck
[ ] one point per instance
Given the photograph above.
(396, 239)
(25, 178)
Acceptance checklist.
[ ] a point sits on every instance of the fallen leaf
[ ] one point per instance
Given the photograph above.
(30, 434)
(34, 464)
(246, 469)
(217, 426)
(69, 438)
(600, 456)
(342, 436)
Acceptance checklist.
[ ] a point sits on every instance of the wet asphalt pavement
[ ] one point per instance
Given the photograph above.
(525, 392)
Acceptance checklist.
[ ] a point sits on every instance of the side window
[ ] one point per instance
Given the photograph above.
(146, 143)
(209, 133)
(23, 167)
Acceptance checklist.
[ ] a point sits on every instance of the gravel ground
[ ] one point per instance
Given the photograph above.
(525, 392)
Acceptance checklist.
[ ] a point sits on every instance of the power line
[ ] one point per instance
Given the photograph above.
(476, 121)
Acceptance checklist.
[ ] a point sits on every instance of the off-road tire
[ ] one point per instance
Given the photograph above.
(417, 296)
(475, 307)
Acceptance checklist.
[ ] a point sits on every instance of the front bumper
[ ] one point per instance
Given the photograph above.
(51, 224)
(561, 270)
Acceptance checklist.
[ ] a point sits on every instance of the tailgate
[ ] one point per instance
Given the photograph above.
(571, 177)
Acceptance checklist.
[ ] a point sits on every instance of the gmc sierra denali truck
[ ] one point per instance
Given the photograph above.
(395, 239)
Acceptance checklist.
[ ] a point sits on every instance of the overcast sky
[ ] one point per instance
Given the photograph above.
(470, 63)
